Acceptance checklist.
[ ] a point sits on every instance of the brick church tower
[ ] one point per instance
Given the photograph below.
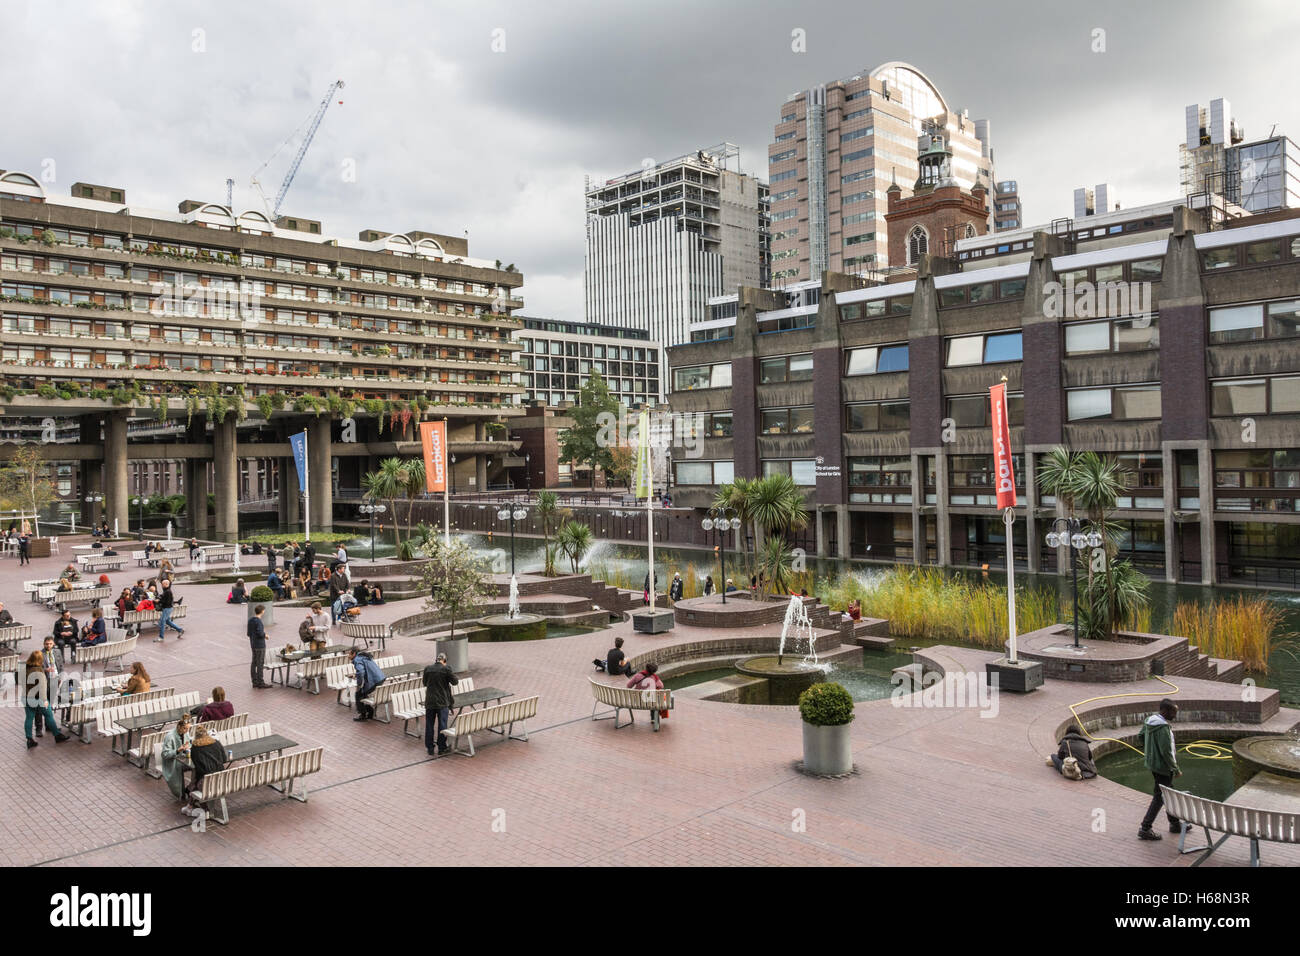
(937, 213)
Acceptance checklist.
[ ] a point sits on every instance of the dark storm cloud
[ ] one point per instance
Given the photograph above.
(446, 134)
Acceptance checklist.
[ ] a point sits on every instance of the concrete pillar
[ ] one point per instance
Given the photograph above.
(843, 531)
(1031, 505)
(942, 520)
(1169, 468)
(1205, 490)
(319, 451)
(918, 519)
(290, 506)
(196, 497)
(225, 464)
(117, 497)
(820, 520)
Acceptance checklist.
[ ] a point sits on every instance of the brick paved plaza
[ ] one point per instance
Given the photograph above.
(718, 785)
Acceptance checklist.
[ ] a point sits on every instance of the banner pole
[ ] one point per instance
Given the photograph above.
(1008, 518)
(306, 490)
(446, 486)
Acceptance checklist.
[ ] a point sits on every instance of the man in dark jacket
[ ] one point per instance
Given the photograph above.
(1159, 755)
(369, 676)
(338, 585)
(24, 550)
(616, 660)
(438, 679)
(66, 633)
(676, 588)
(1075, 744)
(257, 641)
(166, 604)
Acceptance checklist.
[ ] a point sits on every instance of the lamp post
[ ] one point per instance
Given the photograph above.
(372, 510)
(453, 473)
(512, 513)
(719, 521)
(140, 500)
(1077, 539)
(528, 471)
(91, 500)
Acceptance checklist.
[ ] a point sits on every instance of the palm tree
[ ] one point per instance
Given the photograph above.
(574, 539)
(414, 487)
(777, 507)
(548, 509)
(775, 565)
(388, 484)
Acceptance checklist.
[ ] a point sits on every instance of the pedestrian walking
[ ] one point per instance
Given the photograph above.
(1159, 755)
(166, 603)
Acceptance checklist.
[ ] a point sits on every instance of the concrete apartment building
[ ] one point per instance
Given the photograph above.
(200, 340)
(1259, 176)
(876, 398)
(558, 357)
(836, 149)
(662, 240)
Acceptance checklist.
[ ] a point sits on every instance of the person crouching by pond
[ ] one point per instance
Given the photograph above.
(1074, 745)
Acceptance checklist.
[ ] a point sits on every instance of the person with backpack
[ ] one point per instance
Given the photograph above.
(369, 676)
(1159, 756)
(1073, 758)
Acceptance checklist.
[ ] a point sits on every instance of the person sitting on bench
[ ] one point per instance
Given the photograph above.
(369, 676)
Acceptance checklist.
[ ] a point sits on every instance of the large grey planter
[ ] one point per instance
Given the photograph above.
(457, 652)
(827, 751)
(268, 615)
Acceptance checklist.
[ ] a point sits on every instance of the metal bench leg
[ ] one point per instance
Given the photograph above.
(511, 731)
(654, 720)
(631, 718)
(1182, 840)
(1254, 851)
(1208, 848)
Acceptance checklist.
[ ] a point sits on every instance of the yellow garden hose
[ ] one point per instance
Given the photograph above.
(1205, 749)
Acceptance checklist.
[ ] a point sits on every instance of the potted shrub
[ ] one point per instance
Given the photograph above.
(827, 711)
(262, 595)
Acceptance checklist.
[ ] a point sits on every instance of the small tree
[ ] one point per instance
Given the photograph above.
(23, 485)
(775, 566)
(585, 441)
(456, 580)
(623, 464)
(548, 510)
(574, 540)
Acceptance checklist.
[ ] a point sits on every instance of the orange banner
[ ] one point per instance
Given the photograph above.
(433, 436)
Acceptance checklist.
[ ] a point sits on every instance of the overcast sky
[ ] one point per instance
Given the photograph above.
(449, 135)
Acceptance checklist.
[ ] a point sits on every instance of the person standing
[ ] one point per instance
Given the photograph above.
(287, 555)
(676, 588)
(271, 557)
(52, 663)
(194, 547)
(165, 604)
(1159, 755)
(257, 641)
(37, 698)
(708, 585)
(24, 549)
(368, 676)
(320, 624)
(438, 701)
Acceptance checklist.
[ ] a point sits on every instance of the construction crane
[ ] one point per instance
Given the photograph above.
(313, 124)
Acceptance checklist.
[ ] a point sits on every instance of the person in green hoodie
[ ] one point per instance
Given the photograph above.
(1159, 755)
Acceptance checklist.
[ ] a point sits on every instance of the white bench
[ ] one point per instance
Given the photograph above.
(214, 553)
(343, 677)
(408, 705)
(314, 669)
(134, 620)
(33, 587)
(283, 770)
(106, 718)
(506, 715)
(382, 696)
(631, 700)
(83, 710)
(91, 596)
(15, 634)
(1275, 826)
(110, 652)
(367, 632)
(148, 756)
(95, 563)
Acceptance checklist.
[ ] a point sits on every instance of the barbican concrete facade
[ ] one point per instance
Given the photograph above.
(184, 349)
(875, 398)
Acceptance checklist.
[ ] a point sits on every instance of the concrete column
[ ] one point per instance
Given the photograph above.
(196, 497)
(1169, 466)
(1031, 505)
(322, 487)
(843, 530)
(117, 497)
(942, 520)
(820, 518)
(225, 464)
(290, 506)
(1205, 493)
(918, 519)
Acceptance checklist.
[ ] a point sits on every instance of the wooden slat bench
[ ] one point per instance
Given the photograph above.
(286, 770)
(96, 563)
(367, 632)
(83, 710)
(1274, 826)
(408, 705)
(505, 715)
(106, 717)
(382, 696)
(135, 620)
(342, 677)
(148, 756)
(107, 653)
(631, 700)
(15, 634)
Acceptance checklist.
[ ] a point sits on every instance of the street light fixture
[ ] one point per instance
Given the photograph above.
(512, 513)
(1077, 539)
(372, 510)
(453, 473)
(140, 500)
(90, 500)
(720, 521)
(528, 471)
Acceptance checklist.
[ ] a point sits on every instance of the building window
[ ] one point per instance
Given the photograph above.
(1245, 323)
(971, 411)
(802, 471)
(702, 376)
(1255, 396)
(876, 359)
(984, 349)
(705, 472)
(879, 479)
(1123, 403)
(787, 421)
(878, 416)
(786, 368)
(1123, 335)
(918, 244)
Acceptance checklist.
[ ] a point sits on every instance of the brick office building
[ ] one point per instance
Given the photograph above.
(876, 399)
